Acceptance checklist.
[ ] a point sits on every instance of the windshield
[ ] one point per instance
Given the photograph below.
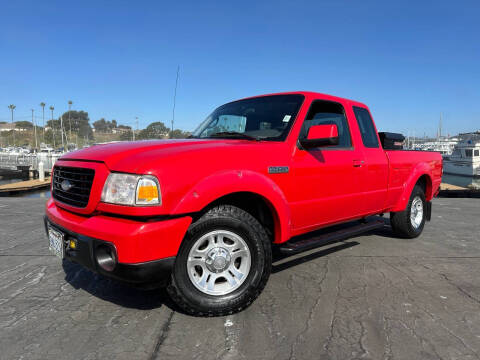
(263, 118)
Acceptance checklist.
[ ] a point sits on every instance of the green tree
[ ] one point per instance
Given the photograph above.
(103, 125)
(23, 125)
(156, 130)
(126, 136)
(78, 119)
(179, 134)
(100, 125)
(80, 126)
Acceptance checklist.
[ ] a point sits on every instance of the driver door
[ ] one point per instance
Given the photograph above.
(327, 179)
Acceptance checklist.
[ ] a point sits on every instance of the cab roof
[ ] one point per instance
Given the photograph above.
(314, 95)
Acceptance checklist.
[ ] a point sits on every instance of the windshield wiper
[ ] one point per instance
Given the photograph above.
(233, 134)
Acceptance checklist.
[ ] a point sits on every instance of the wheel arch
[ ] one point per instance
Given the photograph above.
(250, 191)
(425, 182)
(421, 175)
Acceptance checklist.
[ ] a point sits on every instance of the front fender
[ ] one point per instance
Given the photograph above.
(418, 171)
(224, 183)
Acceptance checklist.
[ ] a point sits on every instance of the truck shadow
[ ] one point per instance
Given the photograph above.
(128, 296)
(278, 257)
(114, 291)
(323, 250)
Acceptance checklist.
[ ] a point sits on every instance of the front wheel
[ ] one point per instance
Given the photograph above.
(223, 264)
(410, 222)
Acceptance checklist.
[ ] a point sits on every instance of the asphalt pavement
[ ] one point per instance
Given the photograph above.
(371, 297)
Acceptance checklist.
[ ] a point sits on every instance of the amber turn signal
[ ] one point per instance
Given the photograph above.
(147, 193)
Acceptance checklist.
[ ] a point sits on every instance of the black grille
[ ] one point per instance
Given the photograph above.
(80, 179)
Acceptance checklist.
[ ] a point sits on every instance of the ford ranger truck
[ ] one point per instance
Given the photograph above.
(201, 215)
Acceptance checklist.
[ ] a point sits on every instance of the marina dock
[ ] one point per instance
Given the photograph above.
(448, 190)
(23, 186)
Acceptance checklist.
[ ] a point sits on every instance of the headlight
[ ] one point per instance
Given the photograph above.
(127, 189)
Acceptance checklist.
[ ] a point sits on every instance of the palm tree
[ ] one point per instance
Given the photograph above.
(12, 107)
(53, 126)
(42, 104)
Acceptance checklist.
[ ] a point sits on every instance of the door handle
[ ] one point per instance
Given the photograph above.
(358, 163)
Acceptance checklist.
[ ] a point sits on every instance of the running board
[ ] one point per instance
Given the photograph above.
(293, 247)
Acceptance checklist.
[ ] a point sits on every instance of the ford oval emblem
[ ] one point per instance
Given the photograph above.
(66, 185)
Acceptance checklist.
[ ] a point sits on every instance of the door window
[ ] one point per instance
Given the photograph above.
(367, 130)
(328, 113)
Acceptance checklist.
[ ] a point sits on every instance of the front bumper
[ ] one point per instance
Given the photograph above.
(145, 250)
(85, 253)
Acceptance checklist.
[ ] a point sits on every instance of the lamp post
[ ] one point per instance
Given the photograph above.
(70, 102)
(53, 127)
(12, 107)
(62, 132)
(34, 130)
(42, 104)
(133, 128)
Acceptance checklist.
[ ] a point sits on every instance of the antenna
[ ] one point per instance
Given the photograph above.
(174, 100)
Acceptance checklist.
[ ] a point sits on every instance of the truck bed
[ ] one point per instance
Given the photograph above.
(405, 164)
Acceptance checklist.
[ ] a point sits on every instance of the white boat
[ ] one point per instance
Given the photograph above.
(443, 145)
(465, 158)
(46, 150)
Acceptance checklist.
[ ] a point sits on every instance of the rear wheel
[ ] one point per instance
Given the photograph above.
(223, 264)
(410, 222)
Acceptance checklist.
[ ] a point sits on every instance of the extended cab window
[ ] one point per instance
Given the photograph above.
(326, 113)
(367, 130)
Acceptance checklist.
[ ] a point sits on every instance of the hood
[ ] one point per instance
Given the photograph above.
(116, 155)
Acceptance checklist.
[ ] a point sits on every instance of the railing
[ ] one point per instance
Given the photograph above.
(30, 161)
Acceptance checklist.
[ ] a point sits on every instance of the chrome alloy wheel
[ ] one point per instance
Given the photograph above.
(416, 212)
(218, 262)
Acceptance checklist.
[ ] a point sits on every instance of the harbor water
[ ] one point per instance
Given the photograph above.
(463, 181)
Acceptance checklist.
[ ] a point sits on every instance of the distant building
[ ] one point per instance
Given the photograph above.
(10, 127)
(120, 130)
(116, 130)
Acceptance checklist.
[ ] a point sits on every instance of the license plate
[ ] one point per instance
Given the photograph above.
(57, 246)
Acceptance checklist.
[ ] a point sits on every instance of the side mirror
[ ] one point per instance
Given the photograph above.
(320, 135)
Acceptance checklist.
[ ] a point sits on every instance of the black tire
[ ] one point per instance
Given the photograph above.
(400, 221)
(230, 218)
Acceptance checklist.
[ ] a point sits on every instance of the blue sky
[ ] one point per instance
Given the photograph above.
(409, 61)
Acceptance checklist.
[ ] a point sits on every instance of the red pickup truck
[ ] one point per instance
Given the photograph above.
(202, 215)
